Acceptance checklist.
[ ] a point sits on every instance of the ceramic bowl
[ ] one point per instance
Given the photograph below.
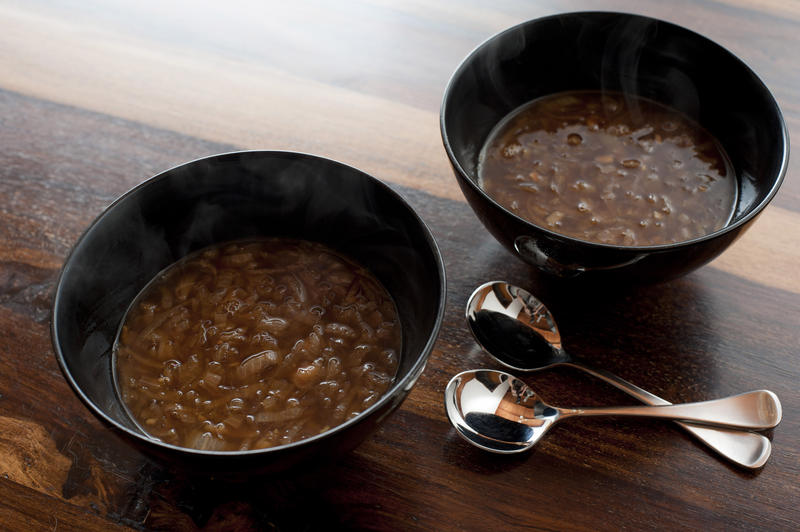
(227, 197)
(631, 54)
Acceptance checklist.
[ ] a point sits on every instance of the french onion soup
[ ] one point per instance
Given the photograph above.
(609, 168)
(256, 343)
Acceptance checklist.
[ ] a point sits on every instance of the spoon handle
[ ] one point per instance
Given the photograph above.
(748, 449)
(757, 410)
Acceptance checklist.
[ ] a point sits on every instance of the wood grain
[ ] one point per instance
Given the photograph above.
(97, 96)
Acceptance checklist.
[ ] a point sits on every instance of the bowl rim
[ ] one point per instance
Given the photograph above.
(754, 211)
(400, 385)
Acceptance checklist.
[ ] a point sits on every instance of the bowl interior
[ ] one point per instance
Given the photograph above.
(630, 54)
(235, 196)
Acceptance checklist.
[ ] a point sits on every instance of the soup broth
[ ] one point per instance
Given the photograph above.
(254, 344)
(609, 168)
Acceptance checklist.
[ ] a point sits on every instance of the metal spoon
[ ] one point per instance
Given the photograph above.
(498, 412)
(518, 331)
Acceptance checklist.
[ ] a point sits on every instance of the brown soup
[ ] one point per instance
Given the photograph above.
(609, 168)
(254, 344)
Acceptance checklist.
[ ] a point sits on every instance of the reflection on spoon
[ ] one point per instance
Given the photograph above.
(498, 412)
(518, 331)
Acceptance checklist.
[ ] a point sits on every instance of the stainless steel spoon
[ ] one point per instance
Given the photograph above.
(518, 331)
(498, 412)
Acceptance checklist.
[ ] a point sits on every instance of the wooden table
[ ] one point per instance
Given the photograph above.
(97, 96)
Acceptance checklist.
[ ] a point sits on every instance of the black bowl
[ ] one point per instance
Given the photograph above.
(635, 55)
(226, 197)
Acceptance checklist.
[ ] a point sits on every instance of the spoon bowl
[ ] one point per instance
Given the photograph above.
(473, 400)
(514, 327)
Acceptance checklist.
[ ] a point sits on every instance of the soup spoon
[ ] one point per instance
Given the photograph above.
(518, 331)
(497, 412)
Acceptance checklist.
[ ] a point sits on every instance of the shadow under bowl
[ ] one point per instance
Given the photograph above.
(228, 197)
(624, 53)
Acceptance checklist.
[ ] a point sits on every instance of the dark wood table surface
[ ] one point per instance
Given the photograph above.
(97, 96)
